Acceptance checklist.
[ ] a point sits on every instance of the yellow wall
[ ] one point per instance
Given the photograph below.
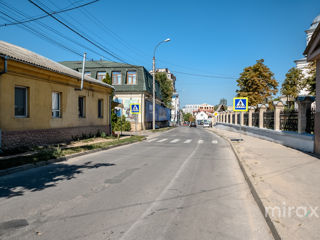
(41, 84)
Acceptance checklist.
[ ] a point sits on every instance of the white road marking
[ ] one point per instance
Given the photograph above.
(200, 141)
(214, 141)
(175, 140)
(152, 139)
(187, 141)
(162, 140)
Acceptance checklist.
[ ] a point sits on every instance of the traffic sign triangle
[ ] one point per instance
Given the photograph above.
(240, 104)
(135, 108)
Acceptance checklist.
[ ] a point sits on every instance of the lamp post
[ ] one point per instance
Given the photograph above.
(154, 84)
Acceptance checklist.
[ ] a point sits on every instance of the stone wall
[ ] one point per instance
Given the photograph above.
(21, 139)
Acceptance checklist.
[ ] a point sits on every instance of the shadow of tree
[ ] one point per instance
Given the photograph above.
(41, 178)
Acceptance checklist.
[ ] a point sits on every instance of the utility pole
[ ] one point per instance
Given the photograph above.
(153, 93)
(154, 84)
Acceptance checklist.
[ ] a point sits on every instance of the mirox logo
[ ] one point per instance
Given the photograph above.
(285, 211)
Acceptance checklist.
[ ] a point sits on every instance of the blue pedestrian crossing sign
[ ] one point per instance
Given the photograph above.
(135, 108)
(240, 104)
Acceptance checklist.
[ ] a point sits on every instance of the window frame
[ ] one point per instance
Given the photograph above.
(59, 107)
(112, 77)
(98, 74)
(100, 108)
(26, 115)
(83, 107)
(128, 74)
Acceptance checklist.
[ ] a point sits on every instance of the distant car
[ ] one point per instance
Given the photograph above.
(192, 124)
(206, 124)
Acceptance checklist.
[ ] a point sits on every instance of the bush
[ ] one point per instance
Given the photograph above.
(117, 121)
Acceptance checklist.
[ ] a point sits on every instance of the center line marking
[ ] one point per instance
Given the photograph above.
(200, 141)
(214, 141)
(175, 140)
(162, 140)
(187, 141)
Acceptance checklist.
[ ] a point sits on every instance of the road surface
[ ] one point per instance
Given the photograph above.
(184, 184)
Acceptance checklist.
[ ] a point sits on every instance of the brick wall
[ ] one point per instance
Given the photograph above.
(20, 139)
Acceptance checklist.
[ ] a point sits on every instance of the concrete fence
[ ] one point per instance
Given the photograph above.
(290, 128)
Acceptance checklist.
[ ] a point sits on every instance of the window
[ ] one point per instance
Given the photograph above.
(87, 74)
(56, 105)
(131, 77)
(116, 78)
(21, 101)
(101, 76)
(82, 107)
(100, 108)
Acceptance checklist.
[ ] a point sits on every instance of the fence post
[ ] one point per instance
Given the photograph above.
(235, 114)
(304, 105)
(262, 109)
(241, 118)
(278, 107)
(251, 110)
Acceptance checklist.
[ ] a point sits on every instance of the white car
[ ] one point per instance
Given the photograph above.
(206, 124)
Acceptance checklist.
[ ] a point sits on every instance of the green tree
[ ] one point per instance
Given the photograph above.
(257, 83)
(186, 116)
(107, 79)
(293, 83)
(166, 88)
(118, 122)
(310, 81)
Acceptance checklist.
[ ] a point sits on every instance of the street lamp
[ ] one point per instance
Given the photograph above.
(154, 84)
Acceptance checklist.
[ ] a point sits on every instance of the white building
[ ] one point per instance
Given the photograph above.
(302, 63)
(190, 108)
(175, 117)
(200, 117)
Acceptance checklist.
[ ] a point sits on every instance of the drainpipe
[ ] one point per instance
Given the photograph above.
(5, 65)
(82, 75)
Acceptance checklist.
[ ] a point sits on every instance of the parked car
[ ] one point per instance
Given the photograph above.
(206, 124)
(192, 124)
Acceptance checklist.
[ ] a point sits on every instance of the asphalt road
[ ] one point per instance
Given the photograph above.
(184, 184)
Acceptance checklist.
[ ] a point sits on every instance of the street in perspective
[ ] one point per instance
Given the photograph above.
(171, 120)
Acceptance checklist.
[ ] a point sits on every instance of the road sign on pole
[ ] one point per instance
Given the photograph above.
(135, 108)
(240, 104)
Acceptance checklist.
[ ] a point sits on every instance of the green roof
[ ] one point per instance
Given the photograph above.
(144, 78)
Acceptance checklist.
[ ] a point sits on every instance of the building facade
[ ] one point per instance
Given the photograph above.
(133, 85)
(41, 101)
(190, 108)
(302, 63)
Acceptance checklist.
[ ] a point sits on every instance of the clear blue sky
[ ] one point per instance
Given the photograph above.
(208, 37)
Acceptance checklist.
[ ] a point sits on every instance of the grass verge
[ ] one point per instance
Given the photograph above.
(51, 152)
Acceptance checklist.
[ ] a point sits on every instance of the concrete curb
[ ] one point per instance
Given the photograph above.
(254, 193)
(43, 163)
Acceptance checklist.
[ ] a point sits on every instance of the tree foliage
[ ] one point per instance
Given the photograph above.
(293, 83)
(257, 83)
(120, 122)
(310, 81)
(186, 116)
(166, 88)
(107, 79)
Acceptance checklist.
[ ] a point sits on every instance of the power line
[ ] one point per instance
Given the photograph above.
(79, 34)
(41, 35)
(44, 16)
(203, 75)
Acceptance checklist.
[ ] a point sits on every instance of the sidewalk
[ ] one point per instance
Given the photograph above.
(287, 182)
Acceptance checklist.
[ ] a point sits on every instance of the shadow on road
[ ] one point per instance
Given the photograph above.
(41, 178)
